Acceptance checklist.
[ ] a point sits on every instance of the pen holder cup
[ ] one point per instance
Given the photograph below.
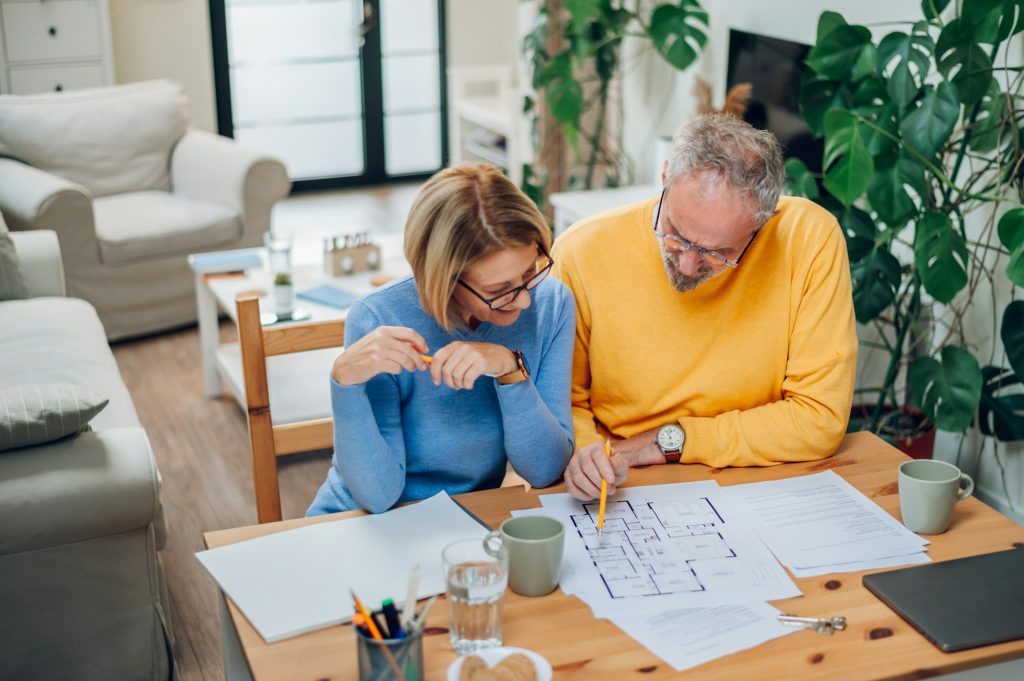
(399, 658)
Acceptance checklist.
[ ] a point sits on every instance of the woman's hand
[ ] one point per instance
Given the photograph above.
(459, 364)
(386, 349)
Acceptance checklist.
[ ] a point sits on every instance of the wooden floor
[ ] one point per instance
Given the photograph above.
(201, 448)
(201, 445)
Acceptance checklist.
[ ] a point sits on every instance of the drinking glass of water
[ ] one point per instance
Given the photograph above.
(279, 252)
(476, 574)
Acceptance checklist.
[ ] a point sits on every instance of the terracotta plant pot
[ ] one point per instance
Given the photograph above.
(911, 432)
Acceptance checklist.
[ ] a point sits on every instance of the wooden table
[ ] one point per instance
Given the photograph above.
(877, 644)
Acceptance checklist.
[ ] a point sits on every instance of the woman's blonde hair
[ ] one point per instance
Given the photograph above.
(461, 215)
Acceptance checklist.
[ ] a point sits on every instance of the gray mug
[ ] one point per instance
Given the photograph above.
(929, 490)
(534, 544)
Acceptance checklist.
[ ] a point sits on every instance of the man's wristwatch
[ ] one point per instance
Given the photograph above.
(517, 375)
(670, 440)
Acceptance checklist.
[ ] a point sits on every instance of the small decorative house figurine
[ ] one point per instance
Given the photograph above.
(351, 253)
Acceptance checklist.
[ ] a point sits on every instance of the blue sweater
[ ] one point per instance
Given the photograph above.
(401, 438)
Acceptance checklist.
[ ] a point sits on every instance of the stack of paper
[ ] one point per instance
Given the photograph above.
(675, 567)
(296, 581)
(819, 524)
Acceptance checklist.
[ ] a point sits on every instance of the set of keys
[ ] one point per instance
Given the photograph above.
(822, 625)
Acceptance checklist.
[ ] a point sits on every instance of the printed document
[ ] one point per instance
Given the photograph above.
(296, 581)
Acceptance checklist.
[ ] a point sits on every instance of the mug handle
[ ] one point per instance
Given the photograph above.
(495, 535)
(966, 491)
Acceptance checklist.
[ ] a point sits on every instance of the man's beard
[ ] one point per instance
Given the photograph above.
(684, 282)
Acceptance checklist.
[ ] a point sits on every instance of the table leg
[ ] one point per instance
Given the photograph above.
(209, 336)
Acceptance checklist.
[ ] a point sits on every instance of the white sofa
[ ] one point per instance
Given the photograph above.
(131, 191)
(82, 590)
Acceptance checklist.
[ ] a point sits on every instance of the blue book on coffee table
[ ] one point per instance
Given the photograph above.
(331, 296)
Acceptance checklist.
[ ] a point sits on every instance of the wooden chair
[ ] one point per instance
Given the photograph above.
(267, 440)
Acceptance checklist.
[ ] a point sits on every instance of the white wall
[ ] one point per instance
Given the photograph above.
(167, 39)
(482, 32)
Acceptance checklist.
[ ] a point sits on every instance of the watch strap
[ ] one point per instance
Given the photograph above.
(517, 375)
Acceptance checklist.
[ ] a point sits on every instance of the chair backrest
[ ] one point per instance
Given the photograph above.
(109, 140)
(267, 440)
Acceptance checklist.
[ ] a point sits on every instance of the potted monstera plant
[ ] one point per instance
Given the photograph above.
(924, 169)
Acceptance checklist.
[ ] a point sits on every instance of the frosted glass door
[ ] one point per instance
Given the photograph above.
(342, 91)
(296, 83)
(411, 75)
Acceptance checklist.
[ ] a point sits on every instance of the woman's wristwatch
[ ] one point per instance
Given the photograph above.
(517, 375)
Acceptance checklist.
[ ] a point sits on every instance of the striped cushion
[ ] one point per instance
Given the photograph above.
(36, 413)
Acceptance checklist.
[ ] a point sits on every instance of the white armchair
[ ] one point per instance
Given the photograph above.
(130, 191)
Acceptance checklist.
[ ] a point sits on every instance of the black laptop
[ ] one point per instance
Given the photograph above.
(959, 604)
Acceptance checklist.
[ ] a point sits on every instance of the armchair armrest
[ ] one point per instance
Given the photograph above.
(29, 196)
(97, 484)
(39, 260)
(213, 168)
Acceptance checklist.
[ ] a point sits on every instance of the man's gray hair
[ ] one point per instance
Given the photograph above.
(716, 147)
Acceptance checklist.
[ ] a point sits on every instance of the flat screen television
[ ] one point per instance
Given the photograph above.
(774, 67)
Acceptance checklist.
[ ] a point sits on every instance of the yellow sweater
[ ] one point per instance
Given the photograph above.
(757, 364)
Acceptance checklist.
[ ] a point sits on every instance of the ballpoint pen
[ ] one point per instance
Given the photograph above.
(604, 494)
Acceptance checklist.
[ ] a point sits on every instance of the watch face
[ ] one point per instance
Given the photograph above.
(670, 438)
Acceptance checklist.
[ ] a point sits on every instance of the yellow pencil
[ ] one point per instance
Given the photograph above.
(604, 492)
(427, 358)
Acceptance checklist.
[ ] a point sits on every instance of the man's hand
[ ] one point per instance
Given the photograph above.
(588, 467)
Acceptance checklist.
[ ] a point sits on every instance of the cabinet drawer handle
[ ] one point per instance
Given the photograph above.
(52, 31)
(58, 88)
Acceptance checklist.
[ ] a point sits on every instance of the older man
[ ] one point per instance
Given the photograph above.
(714, 324)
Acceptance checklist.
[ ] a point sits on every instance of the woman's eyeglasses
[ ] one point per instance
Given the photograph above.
(541, 270)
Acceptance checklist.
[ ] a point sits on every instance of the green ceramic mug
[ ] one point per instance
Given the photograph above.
(929, 490)
(534, 544)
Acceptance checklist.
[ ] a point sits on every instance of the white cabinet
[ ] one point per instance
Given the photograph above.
(485, 124)
(54, 45)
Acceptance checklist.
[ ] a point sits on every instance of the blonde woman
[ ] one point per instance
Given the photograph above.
(452, 373)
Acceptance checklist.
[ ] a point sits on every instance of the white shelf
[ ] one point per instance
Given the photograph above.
(483, 106)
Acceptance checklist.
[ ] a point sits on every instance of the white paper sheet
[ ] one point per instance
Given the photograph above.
(821, 520)
(664, 546)
(296, 581)
(687, 637)
(876, 564)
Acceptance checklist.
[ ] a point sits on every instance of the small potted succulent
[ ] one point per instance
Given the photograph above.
(283, 294)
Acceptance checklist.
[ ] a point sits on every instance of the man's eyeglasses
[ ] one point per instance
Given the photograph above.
(541, 270)
(677, 245)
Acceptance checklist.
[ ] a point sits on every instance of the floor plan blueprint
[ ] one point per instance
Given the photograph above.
(680, 543)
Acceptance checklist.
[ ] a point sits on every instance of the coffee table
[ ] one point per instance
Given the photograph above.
(299, 387)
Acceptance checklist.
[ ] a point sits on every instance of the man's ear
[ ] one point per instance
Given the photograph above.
(664, 172)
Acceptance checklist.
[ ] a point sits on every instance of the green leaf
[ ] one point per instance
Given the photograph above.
(564, 93)
(817, 96)
(1011, 233)
(987, 134)
(948, 390)
(941, 256)
(886, 140)
(928, 127)
(932, 8)
(1001, 415)
(860, 231)
(913, 176)
(848, 163)
(875, 279)
(828, 22)
(886, 193)
(676, 34)
(992, 21)
(963, 62)
(1012, 335)
(801, 180)
(846, 53)
(906, 58)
